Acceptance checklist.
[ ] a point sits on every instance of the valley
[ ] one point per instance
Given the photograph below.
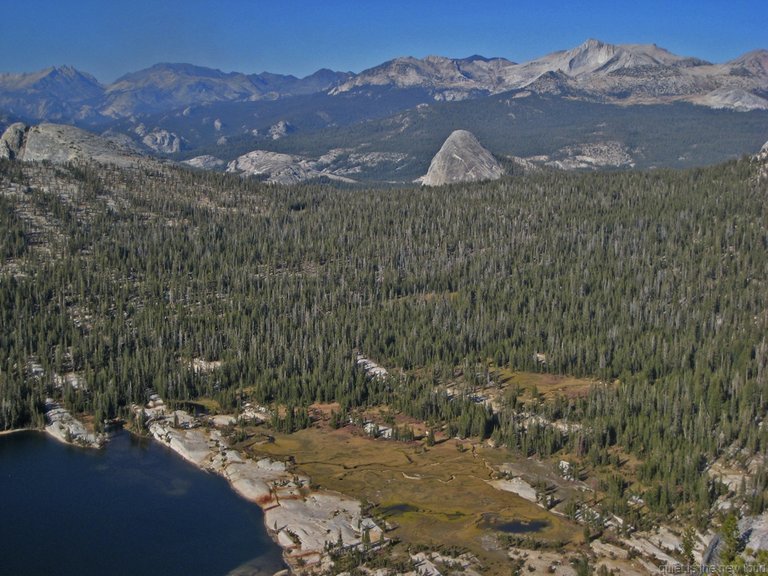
(496, 371)
(440, 316)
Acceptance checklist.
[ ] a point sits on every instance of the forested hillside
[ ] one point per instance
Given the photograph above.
(653, 283)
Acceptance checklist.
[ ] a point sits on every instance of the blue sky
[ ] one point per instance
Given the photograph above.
(111, 37)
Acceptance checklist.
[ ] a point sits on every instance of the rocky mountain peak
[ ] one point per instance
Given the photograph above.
(479, 58)
(593, 45)
(753, 63)
(67, 71)
(447, 78)
(594, 56)
(167, 86)
(462, 159)
(588, 57)
(66, 81)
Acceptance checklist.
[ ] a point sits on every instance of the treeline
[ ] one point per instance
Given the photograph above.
(652, 282)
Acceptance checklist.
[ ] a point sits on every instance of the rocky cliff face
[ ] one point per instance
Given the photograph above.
(462, 159)
(280, 130)
(12, 141)
(159, 140)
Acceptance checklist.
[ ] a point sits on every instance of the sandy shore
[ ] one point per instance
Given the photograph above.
(17, 430)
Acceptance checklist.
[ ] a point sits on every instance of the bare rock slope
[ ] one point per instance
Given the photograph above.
(732, 98)
(274, 167)
(60, 143)
(204, 162)
(462, 159)
(12, 141)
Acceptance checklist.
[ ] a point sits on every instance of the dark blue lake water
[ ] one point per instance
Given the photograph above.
(133, 508)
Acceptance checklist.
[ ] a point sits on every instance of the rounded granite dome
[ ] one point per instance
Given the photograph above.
(462, 159)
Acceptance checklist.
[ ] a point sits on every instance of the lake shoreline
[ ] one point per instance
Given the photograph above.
(17, 430)
(64, 427)
(135, 495)
(305, 522)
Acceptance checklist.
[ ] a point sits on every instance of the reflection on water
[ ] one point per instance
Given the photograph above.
(397, 509)
(134, 508)
(491, 521)
(254, 567)
(178, 487)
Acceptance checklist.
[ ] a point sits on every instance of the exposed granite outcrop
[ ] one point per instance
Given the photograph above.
(68, 429)
(12, 141)
(304, 521)
(61, 143)
(462, 159)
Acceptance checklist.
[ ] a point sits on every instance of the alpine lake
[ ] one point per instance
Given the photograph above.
(133, 507)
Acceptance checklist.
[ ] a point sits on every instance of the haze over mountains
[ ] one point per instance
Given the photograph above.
(626, 73)
(576, 108)
(66, 94)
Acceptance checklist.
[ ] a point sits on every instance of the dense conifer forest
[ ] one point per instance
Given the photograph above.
(652, 283)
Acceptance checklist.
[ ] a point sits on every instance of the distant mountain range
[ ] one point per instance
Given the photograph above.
(629, 73)
(66, 94)
(574, 108)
